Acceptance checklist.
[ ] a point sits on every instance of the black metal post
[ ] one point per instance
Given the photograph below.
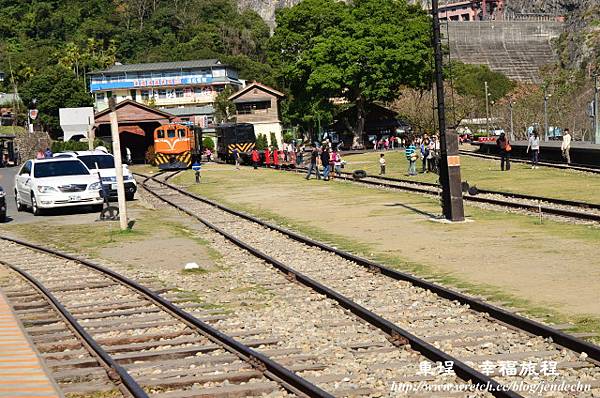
(452, 201)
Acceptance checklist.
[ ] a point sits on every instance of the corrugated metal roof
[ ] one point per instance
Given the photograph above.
(190, 110)
(199, 63)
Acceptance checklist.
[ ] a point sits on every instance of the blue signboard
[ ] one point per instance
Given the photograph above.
(142, 83)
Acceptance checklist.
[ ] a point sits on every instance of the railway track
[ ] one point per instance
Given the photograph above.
(485, 343)
(100, 332)
(562, 166)
(537, 205)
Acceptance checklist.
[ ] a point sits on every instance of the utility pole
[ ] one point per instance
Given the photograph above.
(116, 143)
(91, 136)
(596, 109)
(487, 110)
(545, 115)
(512, 127)
(452, 200)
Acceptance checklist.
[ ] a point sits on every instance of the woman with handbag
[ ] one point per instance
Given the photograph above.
(504, 148)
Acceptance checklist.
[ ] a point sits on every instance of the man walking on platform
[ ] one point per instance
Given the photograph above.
(566, 146)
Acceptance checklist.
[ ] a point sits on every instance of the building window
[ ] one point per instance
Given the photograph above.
(253, 107)
(133, 94)
(99, 97)
(162, 93)
(145, 95)
(219, 89)
(218, 72)
(179, 93)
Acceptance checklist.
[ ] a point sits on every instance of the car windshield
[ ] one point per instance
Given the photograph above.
(56, 169)
(104, 161)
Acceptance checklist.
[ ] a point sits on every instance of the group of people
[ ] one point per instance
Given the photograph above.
(330, 160)
(533, 147)
(386, 143)
(273, 156)
(41, 154)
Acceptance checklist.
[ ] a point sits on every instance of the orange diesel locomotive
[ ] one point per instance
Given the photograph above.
(176, 146)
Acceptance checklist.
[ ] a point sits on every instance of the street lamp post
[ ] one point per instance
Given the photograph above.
(487, 110)
(596, 109)
(512, 127)
(452, 199)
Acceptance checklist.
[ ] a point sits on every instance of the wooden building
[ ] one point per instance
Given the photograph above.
(259, 105)
(137, 123)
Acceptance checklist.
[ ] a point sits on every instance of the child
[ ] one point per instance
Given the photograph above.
(382, 164)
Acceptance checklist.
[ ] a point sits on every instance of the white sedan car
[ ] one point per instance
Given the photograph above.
(50, 183)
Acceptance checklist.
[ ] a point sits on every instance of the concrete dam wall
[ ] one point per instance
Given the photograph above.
(516, 48)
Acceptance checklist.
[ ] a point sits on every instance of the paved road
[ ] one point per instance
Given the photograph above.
(7, 179)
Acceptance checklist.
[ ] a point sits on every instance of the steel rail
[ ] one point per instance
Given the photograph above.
(555, 201)
(577, 167)
(271, 369)
(118, 373)
(397, 335)
(495, 312)
(416, 187)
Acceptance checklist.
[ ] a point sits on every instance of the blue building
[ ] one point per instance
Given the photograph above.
(182, 88)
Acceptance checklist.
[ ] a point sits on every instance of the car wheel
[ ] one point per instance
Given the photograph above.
(20, 206)
(129, 196)
(34, 206)
(97, 208)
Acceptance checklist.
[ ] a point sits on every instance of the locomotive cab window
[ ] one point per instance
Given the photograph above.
(181, 133)
(160, 134)
(170, 133)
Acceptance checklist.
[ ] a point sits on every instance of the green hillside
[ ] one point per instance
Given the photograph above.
(52, 44)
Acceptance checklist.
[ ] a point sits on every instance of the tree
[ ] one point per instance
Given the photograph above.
(224, 107)
(55, 87)
(469, 80)
(208, 143)
(362, 51)
(261, 142)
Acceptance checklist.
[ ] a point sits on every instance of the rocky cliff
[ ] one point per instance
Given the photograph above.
(266, 8)
(579, 45)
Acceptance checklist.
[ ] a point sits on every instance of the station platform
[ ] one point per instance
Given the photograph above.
(582, 153)
(22, 373)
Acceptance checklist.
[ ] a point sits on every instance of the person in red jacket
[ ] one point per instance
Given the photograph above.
(267, 157)
(276, 157)
(255, 158)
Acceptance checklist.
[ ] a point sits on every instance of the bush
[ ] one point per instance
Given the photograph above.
(261, 142)
(274, 140)
(207, 142)
(66, 146)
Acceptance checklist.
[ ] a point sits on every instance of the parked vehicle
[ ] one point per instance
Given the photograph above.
(100, 162)
(58, 182)
(2, 205)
